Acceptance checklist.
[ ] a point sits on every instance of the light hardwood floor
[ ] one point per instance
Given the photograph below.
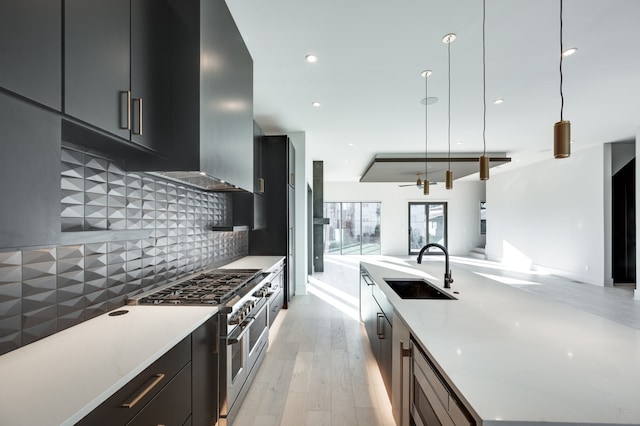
(319, 368)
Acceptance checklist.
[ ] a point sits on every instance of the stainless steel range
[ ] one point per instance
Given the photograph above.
(243, 320)
(215, 287)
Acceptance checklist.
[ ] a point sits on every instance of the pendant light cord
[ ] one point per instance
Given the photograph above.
(484, 83)
(561, 54)
(426, 127)
(449, 106)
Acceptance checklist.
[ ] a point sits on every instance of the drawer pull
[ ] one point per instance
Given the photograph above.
(151, 383)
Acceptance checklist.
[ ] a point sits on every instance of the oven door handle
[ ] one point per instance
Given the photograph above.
(237, 335)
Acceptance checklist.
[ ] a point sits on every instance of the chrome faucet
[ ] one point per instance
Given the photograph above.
(447, 272)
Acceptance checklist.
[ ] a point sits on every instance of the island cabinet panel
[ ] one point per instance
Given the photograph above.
(166, 379)
(377, 315)
(117, 69)
(31, 50)
(400, 371)
(29, 174)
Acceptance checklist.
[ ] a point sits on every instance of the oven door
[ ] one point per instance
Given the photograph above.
(245, 347)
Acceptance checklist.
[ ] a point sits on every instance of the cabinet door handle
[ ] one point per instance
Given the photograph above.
(404, 352)
(379, 325)
(150, 384)
(139, 102)
(261, 185)
(127, 94)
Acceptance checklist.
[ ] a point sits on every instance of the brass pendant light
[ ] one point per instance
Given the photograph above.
(562, 129)
(448, 39)
(484, 160)
(426, 74)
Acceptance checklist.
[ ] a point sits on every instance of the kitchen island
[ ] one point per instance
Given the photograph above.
(515, 358)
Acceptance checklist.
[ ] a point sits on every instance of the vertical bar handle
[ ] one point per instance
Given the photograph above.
(127, 94)
(403, 354)
(139, 102)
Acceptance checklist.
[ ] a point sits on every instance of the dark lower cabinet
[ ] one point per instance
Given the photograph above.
(156, 381)
(171, 406)
(205, 369)
(29, 174)
(180, 388)
(31, 50)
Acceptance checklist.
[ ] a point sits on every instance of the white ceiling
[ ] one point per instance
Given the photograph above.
(371, 52)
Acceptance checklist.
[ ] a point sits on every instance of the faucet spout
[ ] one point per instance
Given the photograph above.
(447, 272)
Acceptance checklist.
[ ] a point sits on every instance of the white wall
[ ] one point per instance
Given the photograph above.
(463, 211)
(300, 227)
(550, 215)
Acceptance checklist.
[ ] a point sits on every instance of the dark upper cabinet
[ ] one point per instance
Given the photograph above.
(97, 63)
(291, 158)
(31, 50)
(29, 174)
(226, 92)
(211, 95)
(117, 68)
(150, 72)
(258, 175)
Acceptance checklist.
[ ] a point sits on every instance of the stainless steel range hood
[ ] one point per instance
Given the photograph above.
(199, 180)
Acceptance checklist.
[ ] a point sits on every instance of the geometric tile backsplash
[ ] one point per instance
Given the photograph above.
(47, 290)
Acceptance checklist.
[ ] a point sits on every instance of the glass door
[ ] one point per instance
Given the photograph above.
(427, 224)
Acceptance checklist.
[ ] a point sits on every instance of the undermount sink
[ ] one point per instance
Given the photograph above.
(416, 288)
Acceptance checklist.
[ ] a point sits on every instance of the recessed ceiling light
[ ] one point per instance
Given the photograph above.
(346, 161)
(570, 51)
(315, 104)
(311, 58)
(429, 101)
(498, 101)
(350, 144)
(460, 142)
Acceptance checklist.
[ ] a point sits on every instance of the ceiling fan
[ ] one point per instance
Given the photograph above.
(418, 183)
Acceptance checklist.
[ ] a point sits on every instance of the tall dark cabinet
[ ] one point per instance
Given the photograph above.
(277, 239)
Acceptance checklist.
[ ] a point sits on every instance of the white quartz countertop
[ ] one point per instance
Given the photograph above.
(61, 378)
(254, 262)
(516, 358)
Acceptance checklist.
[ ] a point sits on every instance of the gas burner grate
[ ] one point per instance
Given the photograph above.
(214, 287)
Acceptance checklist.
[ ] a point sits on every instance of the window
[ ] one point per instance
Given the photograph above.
(354, 228)
(427, 224)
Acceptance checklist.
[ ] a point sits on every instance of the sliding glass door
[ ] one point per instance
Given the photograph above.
(354, 228)
(427, 224)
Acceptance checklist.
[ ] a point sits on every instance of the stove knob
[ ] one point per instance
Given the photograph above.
(234, 319)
